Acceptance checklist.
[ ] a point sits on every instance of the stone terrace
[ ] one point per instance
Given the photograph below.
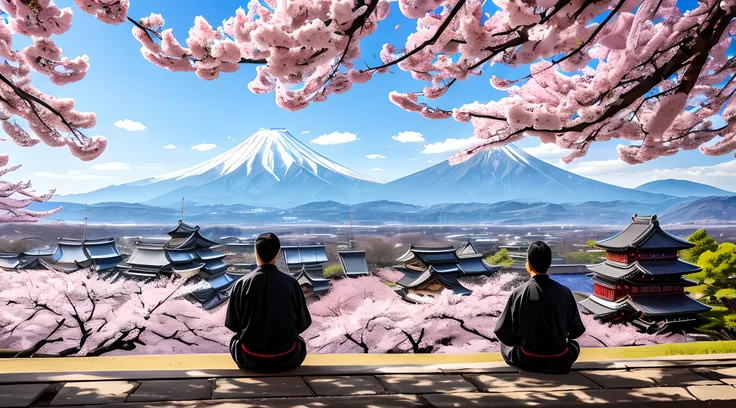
(210, 381)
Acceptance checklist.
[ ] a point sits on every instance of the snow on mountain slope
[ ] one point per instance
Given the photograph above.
(272, 150)
(269, 168)
(501, 174)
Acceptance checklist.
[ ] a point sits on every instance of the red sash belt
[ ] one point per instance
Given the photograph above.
(543, 356)
(267, 355)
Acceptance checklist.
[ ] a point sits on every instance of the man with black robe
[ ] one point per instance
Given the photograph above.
(541, 320)
(268, 312)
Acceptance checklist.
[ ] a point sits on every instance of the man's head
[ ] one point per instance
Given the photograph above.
(538, 258)
(267, 248)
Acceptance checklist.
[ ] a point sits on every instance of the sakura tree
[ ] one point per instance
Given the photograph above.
(646, 71)
(52, 312)
(15, 197)
(81, 314)
(51, 120)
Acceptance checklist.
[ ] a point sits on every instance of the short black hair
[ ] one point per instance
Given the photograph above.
(539, 256)
(267, 246)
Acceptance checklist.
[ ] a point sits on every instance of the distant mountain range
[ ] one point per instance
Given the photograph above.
(683, 188)
(274, 169)
(707, 210)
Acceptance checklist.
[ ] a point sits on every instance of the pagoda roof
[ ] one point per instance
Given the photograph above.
(475, 265)
(183, 230)
(69, 254)
(214, 268)
(447, 280)
(304, 254)
(597, 308)
(663, 305)
(191, 241)
(209, 254)
(180, 256)
(429, 256)
(107, 250)
(312, 275)
(654, 267)
(353, 263)
(644, 233)
(149, 256)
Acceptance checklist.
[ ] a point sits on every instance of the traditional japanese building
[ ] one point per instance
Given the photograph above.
(305, 263)
(297, 256)
(35, 259)
(429, 270)
(187, 254)
(641, 280)
(73, 254)
(353, 263)
(311, 280)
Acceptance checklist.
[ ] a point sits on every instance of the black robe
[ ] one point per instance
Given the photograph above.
(268, 311)
(538, 326)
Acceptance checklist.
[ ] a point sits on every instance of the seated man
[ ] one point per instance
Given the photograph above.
(267, 311)
(540, 321)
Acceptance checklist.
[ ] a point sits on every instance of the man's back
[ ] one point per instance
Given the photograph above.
(541, 316)
(268, 309)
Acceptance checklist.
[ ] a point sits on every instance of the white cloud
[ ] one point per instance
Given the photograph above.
(722, 175)
(375, 156)
(335, 138)
(412, 159)
(130, 125)
(204, 147)
(74, 172)
(304, 132)
(170, 146)
(377, 169)
(548, 152)
(449, 145)
(48, 174)
(429, 161)
(408, 137)
(112, 166)
(592, 168)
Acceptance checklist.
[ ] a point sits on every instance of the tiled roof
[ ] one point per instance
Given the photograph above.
(644, 233)
(659, 305)
(353, 263)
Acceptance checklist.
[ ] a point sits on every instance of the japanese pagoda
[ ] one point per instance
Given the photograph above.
(641, 280)
(430, 270)
(187, 254)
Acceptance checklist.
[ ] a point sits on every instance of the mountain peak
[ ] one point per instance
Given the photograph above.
(274, 150)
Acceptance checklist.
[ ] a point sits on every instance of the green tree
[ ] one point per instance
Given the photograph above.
(581, 257)
(719, 274)
(703, 242)
(332, 271)
(501, 257)
(591, 244)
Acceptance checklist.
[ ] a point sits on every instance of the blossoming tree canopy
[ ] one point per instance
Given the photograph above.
(647, 71)
(15, 197)
(51, 120)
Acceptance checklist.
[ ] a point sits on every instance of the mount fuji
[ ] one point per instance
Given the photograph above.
(270, 168)
(274, 169)
(502, 174)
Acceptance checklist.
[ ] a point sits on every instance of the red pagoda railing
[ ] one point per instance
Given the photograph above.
(629, 257)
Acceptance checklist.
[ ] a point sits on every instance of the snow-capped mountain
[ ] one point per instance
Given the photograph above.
(271, 168)
(501, 174)
(274, 169)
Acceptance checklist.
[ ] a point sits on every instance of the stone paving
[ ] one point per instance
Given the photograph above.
(706, 381)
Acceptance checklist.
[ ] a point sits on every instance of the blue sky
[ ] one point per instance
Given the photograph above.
(180, 109)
